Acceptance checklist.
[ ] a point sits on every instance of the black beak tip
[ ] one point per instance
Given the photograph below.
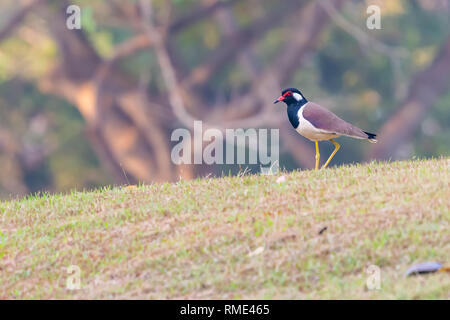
(276, 101)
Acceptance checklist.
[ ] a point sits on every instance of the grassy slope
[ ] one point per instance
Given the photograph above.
(192, 239)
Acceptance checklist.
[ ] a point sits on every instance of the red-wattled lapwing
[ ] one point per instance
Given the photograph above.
(317, 123)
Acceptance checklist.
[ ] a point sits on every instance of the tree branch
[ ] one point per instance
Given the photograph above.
(426, 87)
(366, 41)
(17, 18)
(199, 13)
(238, 41)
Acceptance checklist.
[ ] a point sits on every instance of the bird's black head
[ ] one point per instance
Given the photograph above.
(291, 96)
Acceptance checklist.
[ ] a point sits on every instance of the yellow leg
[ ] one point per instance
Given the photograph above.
(337, 146)
(317, 155)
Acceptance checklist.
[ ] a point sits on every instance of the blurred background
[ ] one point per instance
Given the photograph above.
(96, 106)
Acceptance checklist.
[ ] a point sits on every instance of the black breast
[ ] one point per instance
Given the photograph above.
(292, 111)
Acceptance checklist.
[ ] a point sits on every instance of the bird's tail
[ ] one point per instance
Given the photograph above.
(371, 137)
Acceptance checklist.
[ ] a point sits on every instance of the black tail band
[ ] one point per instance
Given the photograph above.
(370, 135)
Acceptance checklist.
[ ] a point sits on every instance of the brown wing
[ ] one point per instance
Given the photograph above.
(326, 120)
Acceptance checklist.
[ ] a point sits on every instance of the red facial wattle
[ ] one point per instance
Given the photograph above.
(283, 96)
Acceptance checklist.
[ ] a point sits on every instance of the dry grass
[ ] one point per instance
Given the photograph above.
(236, 237)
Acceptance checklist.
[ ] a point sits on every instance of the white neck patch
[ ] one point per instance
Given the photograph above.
(297, 96)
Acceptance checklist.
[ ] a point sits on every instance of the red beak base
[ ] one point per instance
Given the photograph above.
(280, 98)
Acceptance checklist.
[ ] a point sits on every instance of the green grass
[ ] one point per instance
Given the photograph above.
(236, 237)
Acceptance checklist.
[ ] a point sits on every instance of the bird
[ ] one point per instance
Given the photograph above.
(317, 123)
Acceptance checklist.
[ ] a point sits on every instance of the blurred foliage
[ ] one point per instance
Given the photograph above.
(57, 155)
(357, 83)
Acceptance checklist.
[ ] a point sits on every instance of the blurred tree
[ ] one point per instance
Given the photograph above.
(139, 69)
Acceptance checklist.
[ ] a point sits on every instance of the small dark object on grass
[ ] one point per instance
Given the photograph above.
(422, 268)
(323, 230)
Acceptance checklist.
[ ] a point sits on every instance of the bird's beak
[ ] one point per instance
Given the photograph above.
(280, 98)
